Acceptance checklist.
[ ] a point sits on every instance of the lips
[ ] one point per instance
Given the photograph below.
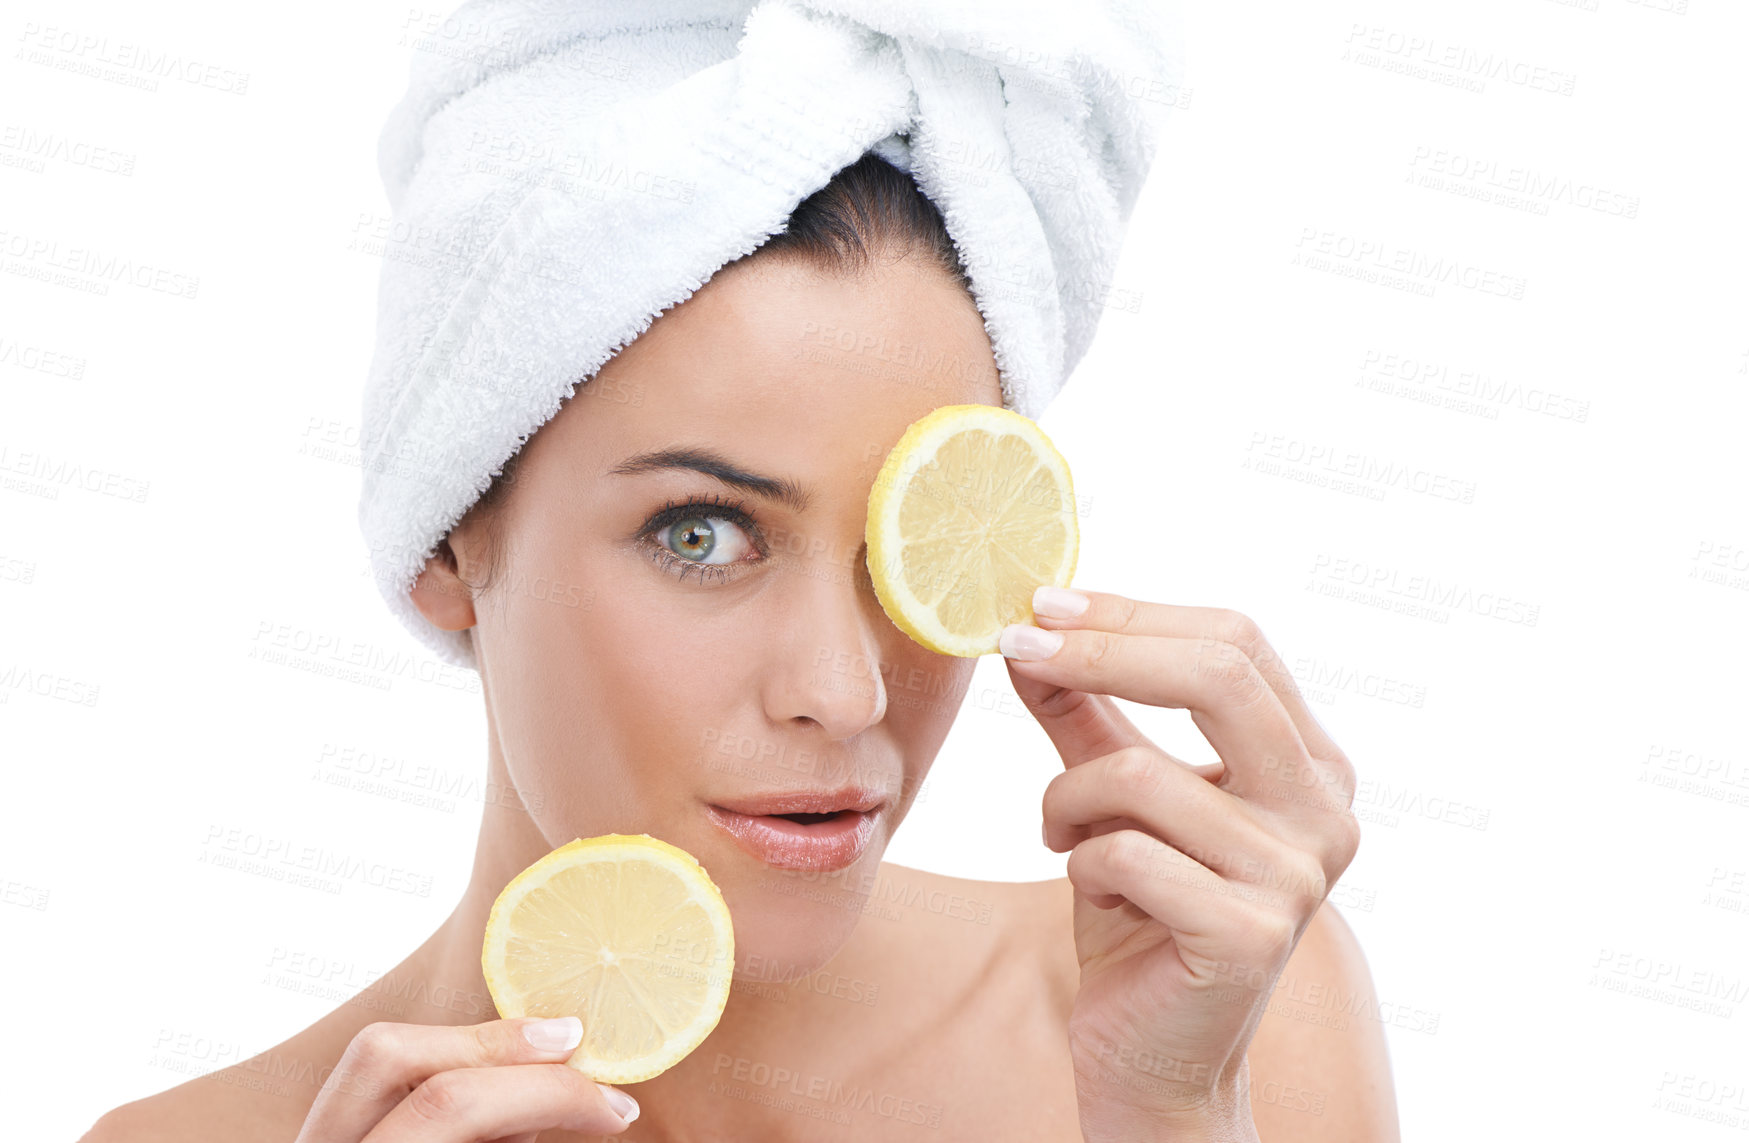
(820, 830)
(804, 802)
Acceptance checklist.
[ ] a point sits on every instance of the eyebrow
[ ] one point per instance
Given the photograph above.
(714, 464)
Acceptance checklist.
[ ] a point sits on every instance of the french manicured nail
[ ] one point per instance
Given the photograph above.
(1044, 835)
(560, 1034)
(623, 1105)
(1058, 602)
(1024, 641)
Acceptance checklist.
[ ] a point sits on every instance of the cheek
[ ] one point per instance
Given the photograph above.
(924, 692)
(612, 710)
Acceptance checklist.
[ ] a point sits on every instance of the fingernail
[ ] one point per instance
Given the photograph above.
(623, 1105)
(1058, 602)
(560, 1034)
(1024, 641)
(1044, 835)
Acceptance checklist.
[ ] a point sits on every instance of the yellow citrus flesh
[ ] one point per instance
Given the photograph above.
(624, 931)
(972, 510)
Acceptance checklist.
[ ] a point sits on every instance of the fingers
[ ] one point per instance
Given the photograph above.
(1083, 726)
(1211, 661)
(1092, 723)
(1108, 612)
(387, 1065)
(1143, 788)
(470, 1105)
(1209, 922)
(1231, 703)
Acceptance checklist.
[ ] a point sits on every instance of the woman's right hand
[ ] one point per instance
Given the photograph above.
(422, 1083)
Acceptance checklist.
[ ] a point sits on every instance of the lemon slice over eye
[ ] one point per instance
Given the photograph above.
(972, 510)
(627, 933)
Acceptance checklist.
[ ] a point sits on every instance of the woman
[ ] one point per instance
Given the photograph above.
(710, 486)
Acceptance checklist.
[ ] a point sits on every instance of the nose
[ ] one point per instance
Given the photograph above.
(830, 670)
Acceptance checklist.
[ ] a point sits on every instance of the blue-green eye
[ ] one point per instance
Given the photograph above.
(710, 535)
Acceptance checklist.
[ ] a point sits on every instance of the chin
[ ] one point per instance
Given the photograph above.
(797, 868)
(790, 925)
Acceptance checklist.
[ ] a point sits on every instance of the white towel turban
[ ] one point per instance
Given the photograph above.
(562, 171)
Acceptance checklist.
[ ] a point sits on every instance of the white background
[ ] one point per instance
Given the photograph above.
(1552, 887)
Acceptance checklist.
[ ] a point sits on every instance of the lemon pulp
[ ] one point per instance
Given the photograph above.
(973, 508)
(624, 931)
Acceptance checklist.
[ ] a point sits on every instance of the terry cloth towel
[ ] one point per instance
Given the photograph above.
(561, 172)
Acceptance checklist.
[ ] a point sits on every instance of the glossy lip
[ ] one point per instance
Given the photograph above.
(804, 802)
(821, 846)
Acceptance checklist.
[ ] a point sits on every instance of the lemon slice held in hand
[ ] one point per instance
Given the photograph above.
(627, 933)
(972, 510)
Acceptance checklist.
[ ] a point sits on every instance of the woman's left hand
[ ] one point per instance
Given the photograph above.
(1192, 883)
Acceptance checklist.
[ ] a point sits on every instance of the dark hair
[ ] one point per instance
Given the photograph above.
(868, 210)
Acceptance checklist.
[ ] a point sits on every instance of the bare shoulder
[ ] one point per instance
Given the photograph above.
(1319, 1065)
(1006, 908)
(258, 1099)
(1028, 926)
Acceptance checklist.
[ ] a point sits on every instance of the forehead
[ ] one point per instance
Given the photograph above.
(785, 330)
(771, 357)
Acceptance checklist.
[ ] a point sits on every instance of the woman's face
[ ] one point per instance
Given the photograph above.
(661, 641)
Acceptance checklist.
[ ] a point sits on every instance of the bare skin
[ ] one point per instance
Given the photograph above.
(667, 676)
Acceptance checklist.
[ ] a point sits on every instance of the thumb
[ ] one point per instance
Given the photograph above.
(1082, 726)
(1086, 726)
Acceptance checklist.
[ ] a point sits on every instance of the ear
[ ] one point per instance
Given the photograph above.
(440, 594)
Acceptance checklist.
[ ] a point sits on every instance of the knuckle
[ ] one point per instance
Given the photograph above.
(1101, 651)
(492, 1043)
(374, 1047)
(1136, 773)
(1306, 879)
(1239, 629)
(1126, 612)
(1058, 791)
(571, 1085)
(1237, 682)
(1272, 935)
(443, 1098)
(1130, 852)
(1346, 841)
(1342, 777)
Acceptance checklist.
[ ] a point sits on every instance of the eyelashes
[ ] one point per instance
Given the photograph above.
(708, 508)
